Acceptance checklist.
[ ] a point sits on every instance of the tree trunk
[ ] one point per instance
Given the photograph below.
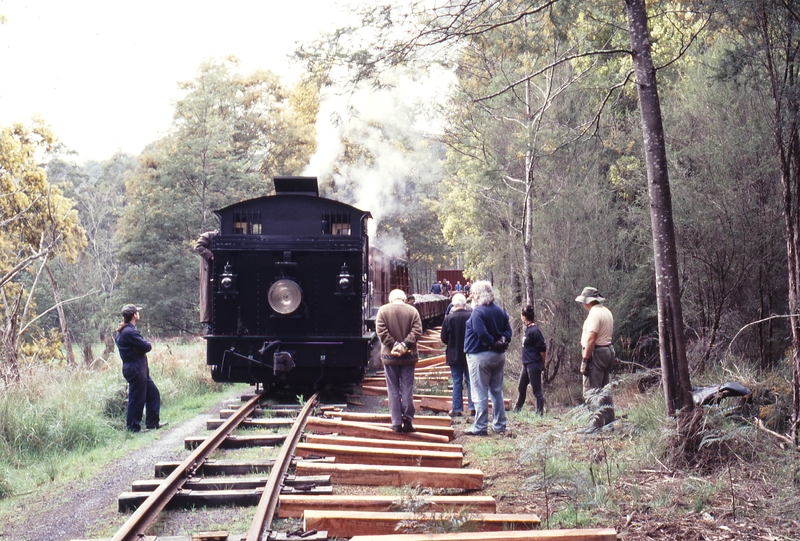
(108, 340)
(672, 349)
(787, 135)
(9, 339)
(527, 227)
(88, 354)
(62, 319)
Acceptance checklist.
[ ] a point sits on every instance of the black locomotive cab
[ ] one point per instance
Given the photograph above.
(289, 290)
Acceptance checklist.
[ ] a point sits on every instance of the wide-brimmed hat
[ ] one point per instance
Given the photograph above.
(128, 310)
(588, 295)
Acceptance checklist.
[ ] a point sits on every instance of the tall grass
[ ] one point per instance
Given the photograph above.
(54, 411)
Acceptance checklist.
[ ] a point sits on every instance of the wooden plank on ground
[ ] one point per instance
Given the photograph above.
(386, 444)
(213, 467)
(348, 454)
(235, 483)
(373, 390)
(213, 424)
(588, 534)
(349, 523)
(444, 403)
(239, 442)
(366, 430)
(193, 498)
(429, 420)
(364, 474)
(434, 368)
(430, 361)
(226, 413)
(431, 380)
(292, 506)
(219, 467)
(447, 431)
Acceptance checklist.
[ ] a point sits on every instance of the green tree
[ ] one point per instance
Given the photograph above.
(38, 225)
(581, 33)
(98, 190)
(767, 54)
(730, 214)
(230, 134)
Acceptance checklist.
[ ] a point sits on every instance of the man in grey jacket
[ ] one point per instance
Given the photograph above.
(399, 326)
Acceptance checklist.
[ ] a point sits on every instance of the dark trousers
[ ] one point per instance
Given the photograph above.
(142, 391)
(400, 391)
(533, 375)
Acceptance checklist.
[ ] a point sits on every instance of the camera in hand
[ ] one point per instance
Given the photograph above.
(501, 345)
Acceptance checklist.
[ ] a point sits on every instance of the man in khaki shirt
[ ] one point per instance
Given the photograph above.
(598, 354)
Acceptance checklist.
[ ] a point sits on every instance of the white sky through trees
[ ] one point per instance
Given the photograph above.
(104, 73)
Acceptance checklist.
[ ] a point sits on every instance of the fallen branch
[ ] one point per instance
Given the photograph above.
(759, 424)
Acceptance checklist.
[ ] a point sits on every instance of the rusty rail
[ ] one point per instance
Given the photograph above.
(136, 525)
(271, 495)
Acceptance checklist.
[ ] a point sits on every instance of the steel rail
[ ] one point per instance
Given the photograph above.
(270, 498)
(136, 525)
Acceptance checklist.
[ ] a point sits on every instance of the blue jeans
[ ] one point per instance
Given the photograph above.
(460, 374)
(486, 377)
(141, 391)
(400, 391)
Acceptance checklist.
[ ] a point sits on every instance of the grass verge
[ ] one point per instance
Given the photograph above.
(59, 422)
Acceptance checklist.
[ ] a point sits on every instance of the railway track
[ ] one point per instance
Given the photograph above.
(341, 450)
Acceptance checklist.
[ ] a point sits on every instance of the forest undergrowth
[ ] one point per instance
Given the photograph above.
(706, 474)
(709, 474)
(56, 416)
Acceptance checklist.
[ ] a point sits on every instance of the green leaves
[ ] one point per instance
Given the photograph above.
(230, 135)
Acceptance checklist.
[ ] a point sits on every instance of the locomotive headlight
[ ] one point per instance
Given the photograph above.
(345, 282)
(285, 296)
(226, 282)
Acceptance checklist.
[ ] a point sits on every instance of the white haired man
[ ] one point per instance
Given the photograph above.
(399, 326)
(488, 334)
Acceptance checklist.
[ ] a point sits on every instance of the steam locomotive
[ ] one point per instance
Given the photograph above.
(296, 286)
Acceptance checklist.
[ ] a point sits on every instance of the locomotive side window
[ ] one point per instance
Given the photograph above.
(336, 223)
(247, 223)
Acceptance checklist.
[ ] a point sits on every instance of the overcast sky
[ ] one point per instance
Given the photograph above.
(103, 73)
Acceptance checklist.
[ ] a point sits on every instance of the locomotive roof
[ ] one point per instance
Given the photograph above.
(294, 199)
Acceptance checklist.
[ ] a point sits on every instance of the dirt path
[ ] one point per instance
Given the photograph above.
(89, 508)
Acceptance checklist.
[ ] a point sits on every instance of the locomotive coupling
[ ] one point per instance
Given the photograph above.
(283, 362)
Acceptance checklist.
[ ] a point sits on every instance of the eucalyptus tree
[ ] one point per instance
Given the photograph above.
(98, 189)
(230, 134)
(767, 56)
(729, 214)
(37, 224)
(583, 26)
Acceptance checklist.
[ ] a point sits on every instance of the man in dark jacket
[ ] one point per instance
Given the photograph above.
(399, 326)
(203, 248)
(142, 390)
(453, 329)
(486, 339)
